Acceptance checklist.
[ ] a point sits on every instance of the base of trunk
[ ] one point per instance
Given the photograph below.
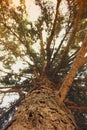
(41, 111)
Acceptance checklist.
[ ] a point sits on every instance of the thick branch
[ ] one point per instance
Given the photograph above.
(80, 108)
(78, 63)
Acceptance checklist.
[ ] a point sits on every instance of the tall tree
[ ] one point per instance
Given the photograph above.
(51, 69)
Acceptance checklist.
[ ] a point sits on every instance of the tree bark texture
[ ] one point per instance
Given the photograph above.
(41, 111)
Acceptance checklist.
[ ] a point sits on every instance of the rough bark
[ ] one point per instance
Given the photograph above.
(41, 111)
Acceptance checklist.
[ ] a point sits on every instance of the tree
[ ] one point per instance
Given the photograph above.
(52, 70)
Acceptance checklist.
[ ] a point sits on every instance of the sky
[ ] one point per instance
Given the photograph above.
(31, 8)
(34, 9)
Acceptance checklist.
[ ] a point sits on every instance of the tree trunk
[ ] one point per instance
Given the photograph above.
(41, 111)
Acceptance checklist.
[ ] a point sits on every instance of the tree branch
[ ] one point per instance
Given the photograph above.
(72, 105)
(42, 53)
(12, 90)
(80, 108)
(78, 63)
(70, 41)
(55, 54)
(49, 40)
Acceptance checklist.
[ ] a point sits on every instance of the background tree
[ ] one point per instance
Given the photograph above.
(55, 72)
